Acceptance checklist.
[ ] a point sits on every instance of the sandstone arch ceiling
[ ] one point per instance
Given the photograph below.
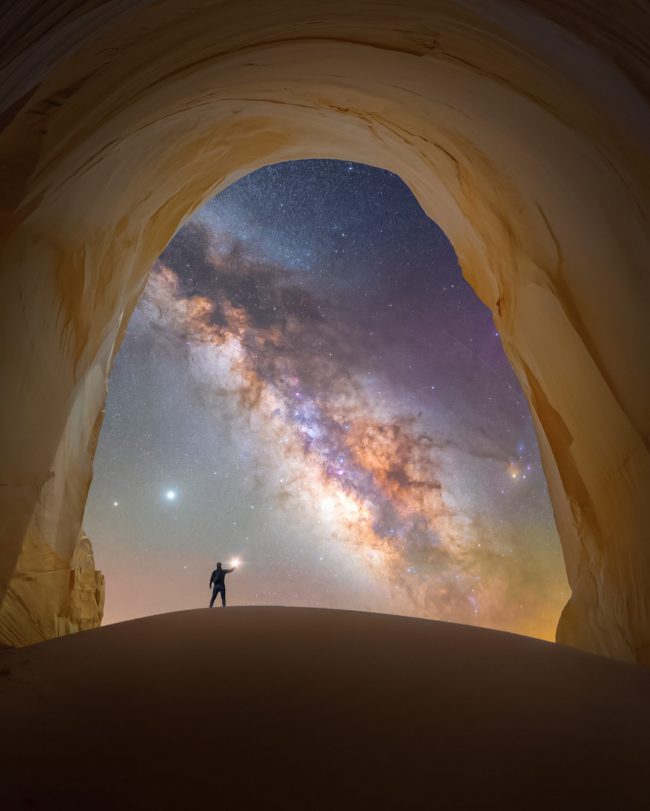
(521, 129)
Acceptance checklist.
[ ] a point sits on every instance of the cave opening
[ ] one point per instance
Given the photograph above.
(522, 133)
(309, 383)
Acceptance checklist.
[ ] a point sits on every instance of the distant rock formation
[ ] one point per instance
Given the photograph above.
(522, 127)
(50, 596)
(86, 606)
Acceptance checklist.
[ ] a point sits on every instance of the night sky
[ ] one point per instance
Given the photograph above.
(308, 384)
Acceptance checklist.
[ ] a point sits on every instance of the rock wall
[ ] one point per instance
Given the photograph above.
(521, 126)
(49, 596)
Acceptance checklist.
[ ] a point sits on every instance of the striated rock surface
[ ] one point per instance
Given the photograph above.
(522, 128)
(86, 603)
(50, 596)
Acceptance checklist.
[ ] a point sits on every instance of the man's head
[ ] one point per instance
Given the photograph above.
(219, 565)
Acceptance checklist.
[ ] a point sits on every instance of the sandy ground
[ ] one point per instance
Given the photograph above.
(306, 708)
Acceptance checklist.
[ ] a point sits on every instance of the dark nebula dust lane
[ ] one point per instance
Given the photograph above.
(309, 384)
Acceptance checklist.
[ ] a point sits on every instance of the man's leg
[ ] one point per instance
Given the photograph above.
(223, 596)
(214, 596)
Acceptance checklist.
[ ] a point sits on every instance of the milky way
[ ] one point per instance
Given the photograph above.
(326, 397)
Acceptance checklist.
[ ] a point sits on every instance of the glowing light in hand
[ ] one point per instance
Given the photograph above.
(170, 495)
(235, 562)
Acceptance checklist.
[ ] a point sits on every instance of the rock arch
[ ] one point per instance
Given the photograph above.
(521, 126)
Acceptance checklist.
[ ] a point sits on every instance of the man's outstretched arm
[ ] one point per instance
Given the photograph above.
(227, 571)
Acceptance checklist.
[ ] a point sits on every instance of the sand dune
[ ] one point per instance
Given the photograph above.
(305, 708)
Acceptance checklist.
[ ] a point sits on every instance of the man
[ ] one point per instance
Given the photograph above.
(218, 580)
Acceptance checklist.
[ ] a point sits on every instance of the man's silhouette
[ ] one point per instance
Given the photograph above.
(218, 581)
